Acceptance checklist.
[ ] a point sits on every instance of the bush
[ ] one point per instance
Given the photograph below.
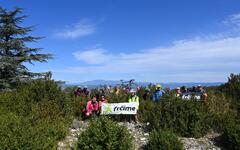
(146, 109)
(232, 89)
(120, 98)
(186, 118)
(217, 103)
(35, 116)
(17, 132)
(231, 136)
(104, 134)
(163, 140)
(223, 102)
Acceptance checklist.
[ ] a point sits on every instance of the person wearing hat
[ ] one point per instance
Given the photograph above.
(134, 99)
(178, 92)
(158, 93)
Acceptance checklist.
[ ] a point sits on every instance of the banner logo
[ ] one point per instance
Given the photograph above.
(119, 108)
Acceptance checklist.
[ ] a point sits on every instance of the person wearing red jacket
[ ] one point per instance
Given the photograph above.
(92, 107)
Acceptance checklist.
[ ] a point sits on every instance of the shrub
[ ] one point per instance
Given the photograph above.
(29, 94)
(18, 132)
(120, 98)
(232, 89)
(104, 134)
(74, 104)
(186, 118)
(34, 116)
(163, 140)
(146, 109)
(231, 135)
(217, 103)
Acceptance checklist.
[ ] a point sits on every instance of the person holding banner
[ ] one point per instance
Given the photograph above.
(101, 101)
(92, 107)
(134, 99)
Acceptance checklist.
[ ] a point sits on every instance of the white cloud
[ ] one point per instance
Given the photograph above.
(81, 29)
(233, 20)
(197, 57)
(93, 56)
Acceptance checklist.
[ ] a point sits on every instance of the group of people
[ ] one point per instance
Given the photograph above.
(156, 95)
(195, 90)
(84, 92)
(94, 105)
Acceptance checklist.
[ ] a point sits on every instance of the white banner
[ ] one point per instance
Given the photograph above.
(119, 108)
(189, 96)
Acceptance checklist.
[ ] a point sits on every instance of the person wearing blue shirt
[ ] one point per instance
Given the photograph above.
(158, 93)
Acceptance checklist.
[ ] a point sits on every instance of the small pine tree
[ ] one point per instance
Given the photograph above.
(13, 49)
(232, 90)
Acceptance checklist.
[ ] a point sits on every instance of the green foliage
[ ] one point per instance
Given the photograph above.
(35, 116)
(231, 123)
(104, 134)
(118, 98)
(14, 51)
(231, 136)
(75, 104)
(19, 133)
(221, 121)
(217, 102)
(163, 140)
(232, 89)
(220, 108)
(186, 118)
(146, 109)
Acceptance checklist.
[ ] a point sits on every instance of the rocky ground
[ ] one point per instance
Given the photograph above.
(140, 135)
(208, 142)
(139, 132)
(75, 130)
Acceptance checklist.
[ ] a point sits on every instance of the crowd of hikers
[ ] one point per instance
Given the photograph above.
(186, 93)
(154, 93)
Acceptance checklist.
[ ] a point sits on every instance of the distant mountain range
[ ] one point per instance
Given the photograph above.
(96, 83)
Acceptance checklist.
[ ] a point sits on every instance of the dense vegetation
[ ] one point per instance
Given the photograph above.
(34, 116)
(186, 118)
(104, 134)
(37, 114)
(163, 140)
(231, 130)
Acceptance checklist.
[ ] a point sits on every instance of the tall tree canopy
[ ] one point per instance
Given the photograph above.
(13, 49)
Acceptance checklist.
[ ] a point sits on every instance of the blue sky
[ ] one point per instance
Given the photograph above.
(148, 40)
